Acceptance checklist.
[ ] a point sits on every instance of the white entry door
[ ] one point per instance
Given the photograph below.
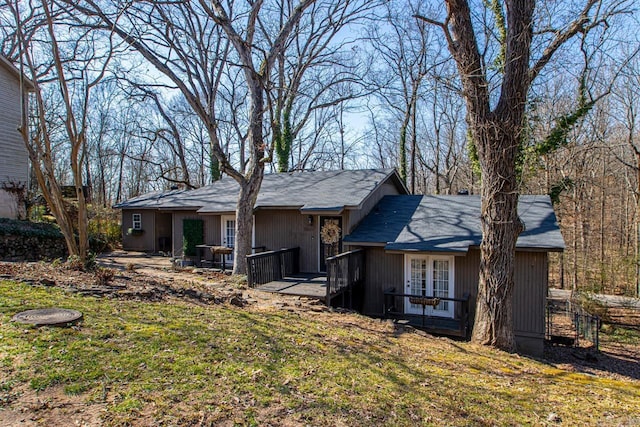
(228, 234)
(430, 276)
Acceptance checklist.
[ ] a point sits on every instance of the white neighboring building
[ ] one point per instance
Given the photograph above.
(14, 160)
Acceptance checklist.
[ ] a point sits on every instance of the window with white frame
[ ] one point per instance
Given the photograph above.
(137, 221)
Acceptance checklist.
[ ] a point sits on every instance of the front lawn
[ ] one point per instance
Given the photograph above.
(178, 363)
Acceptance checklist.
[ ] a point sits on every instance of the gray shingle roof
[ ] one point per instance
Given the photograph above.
(330, 190)
(450, 224)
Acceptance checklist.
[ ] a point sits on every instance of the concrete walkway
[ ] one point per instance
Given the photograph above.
(121, 259)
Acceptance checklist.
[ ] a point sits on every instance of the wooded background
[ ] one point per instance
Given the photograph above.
(359, 84)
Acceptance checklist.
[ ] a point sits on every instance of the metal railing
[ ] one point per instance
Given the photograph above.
(345, 272)
(568, 324)
(457, 325)
(265, 267)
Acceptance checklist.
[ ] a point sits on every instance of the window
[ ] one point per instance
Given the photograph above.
(137, 221)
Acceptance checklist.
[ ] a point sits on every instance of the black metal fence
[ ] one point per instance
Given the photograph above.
(265, 267)
(568, 324)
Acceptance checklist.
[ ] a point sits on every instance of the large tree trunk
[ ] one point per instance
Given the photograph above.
(500, 229)
(251, 182)
(496, 134)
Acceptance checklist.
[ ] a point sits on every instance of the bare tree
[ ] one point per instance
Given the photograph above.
(188, 43)
(495, 122)
(74, 67)
(407, 51)
(316, 71)
(627, 95)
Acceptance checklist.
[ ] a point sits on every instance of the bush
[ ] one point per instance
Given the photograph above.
(592, 306)
(104, 230)
(193, 232)
(12, 227)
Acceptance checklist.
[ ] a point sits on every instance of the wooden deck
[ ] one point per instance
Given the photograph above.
(304, 285)
(433, 324)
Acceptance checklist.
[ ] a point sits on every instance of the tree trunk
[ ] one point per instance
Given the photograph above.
(251, 182)
(496, 134)
(497, 149)
(244, 221)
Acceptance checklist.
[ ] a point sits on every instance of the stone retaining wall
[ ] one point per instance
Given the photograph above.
(31, 248)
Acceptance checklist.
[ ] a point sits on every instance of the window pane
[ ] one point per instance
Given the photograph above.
(441, 282)
(137, 221)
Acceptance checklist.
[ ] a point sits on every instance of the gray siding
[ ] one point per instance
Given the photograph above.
(211, 230)
(529, 300)
(382, 271)
(467, 272)
(144, 243)
(385, 270)
(163, 226)
(530, 292)
(14, 163)
(354, 217)
(277, 229)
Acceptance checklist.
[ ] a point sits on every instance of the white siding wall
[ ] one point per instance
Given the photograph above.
(14, 165)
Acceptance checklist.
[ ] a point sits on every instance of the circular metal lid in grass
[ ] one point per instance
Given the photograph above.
(48, 316)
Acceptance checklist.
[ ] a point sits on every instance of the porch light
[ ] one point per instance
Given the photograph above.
(310, 219)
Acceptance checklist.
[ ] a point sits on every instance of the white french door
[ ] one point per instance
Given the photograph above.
(430, 276)
(228, 234)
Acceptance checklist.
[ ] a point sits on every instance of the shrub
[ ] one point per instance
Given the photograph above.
(592, 306)
(103, 276)
(104, 230)
(193, 232)
(14, 227)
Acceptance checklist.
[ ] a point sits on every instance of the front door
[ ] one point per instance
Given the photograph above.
(430, 276)
(330, 238)
(228, 235)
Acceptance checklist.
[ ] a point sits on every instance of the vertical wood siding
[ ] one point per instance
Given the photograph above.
(211, 225)
(14, 161)
(385, 270)
(144, 243)
(162, 229)
(354, 217)
(467, 272)
(382, 271)
(277, 229)
(530, 293)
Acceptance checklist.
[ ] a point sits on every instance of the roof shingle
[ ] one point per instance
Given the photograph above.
(450, 224)
(308, 191)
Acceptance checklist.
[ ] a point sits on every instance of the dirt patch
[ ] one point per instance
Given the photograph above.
(127, 284)
(51, 407)
(153, 278)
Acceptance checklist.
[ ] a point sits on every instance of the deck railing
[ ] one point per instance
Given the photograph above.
(458, 325)
(345, 272)
(265, 267)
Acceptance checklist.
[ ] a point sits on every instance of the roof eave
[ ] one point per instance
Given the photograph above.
(335, 210)
(453, 252)
(17, 73)
(372, 244)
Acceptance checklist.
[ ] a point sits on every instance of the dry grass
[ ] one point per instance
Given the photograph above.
(177, 363)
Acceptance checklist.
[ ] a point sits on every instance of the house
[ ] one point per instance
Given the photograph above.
(290, 211)
(14, 162)
(429, 245)
(412, 258)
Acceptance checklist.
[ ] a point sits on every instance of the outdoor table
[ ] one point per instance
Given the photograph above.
(222, 250)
